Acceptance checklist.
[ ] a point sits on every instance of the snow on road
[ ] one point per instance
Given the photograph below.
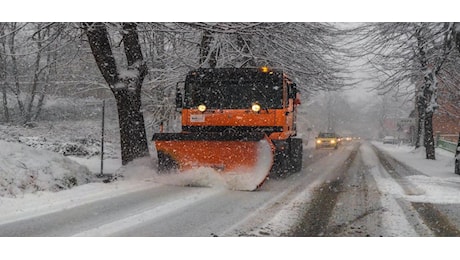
(151, 214)
(439, 186)
(439, 183)
(38, 203)
(393, 218)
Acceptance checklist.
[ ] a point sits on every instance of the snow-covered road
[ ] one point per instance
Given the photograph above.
(357, 190)
(143, 206)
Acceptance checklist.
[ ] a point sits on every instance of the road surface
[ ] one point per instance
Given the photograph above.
(355, 190)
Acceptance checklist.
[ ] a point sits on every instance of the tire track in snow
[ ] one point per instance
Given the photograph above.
(316, 218)
(277, 216)
(437, 222)
(394, 219)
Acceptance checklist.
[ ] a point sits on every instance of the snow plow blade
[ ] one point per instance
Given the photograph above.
(242, 160)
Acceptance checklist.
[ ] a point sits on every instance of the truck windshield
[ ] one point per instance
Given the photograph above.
(232, 94)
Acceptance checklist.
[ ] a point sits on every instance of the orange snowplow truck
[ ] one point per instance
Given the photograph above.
(239, 122)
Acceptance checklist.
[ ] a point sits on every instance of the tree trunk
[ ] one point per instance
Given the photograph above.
(428, 116)
(429, 138)
(425, 105)
(33, 89)
(17, 89)
(98, 39)
(6, 113)
(126, 89)
(420, 121)
(429, 87)
(132, 127)
(133, 137)
(51, 69)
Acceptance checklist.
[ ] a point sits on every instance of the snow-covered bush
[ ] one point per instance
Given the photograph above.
(26, 170)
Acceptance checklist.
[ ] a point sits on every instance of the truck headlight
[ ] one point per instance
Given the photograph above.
(318, 141)
(255, 107)
(202, 108)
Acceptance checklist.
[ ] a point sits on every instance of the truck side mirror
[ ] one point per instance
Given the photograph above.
(178, 100)
(293, 91)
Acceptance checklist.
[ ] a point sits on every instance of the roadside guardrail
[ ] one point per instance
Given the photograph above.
(451, 146)
(447, 145)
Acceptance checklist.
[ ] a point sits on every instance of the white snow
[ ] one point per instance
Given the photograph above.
(34, 203)
(30, 189)
(394, 218)
(24, 169)
(439, 183)
(438, 186)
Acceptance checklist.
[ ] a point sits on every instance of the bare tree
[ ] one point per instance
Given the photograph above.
(456, 34)
(409, 57)
(308, 52)
(3, 72)
(29, 50)
(14, 28)
(125, 85)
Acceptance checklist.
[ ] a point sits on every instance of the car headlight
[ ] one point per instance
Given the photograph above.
(332, 141)
(202, 108)
(255, 107)
(318, 141)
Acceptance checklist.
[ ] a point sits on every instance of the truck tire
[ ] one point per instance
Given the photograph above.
(295, 157)
(280, 164)
(166, 163)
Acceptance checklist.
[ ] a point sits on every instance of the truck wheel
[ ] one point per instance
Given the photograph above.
(296, 155)
(280, 165)
(166, 163)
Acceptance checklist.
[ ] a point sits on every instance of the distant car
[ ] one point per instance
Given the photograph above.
(327, 140)
(389, 140)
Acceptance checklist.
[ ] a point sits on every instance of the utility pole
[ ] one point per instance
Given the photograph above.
(457, 157)
(102, 140)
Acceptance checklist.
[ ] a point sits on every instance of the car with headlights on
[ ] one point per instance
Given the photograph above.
(327, 140)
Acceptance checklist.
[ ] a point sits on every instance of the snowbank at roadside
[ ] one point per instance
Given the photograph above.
(442, 167)
(439, 184)
(26, 170)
